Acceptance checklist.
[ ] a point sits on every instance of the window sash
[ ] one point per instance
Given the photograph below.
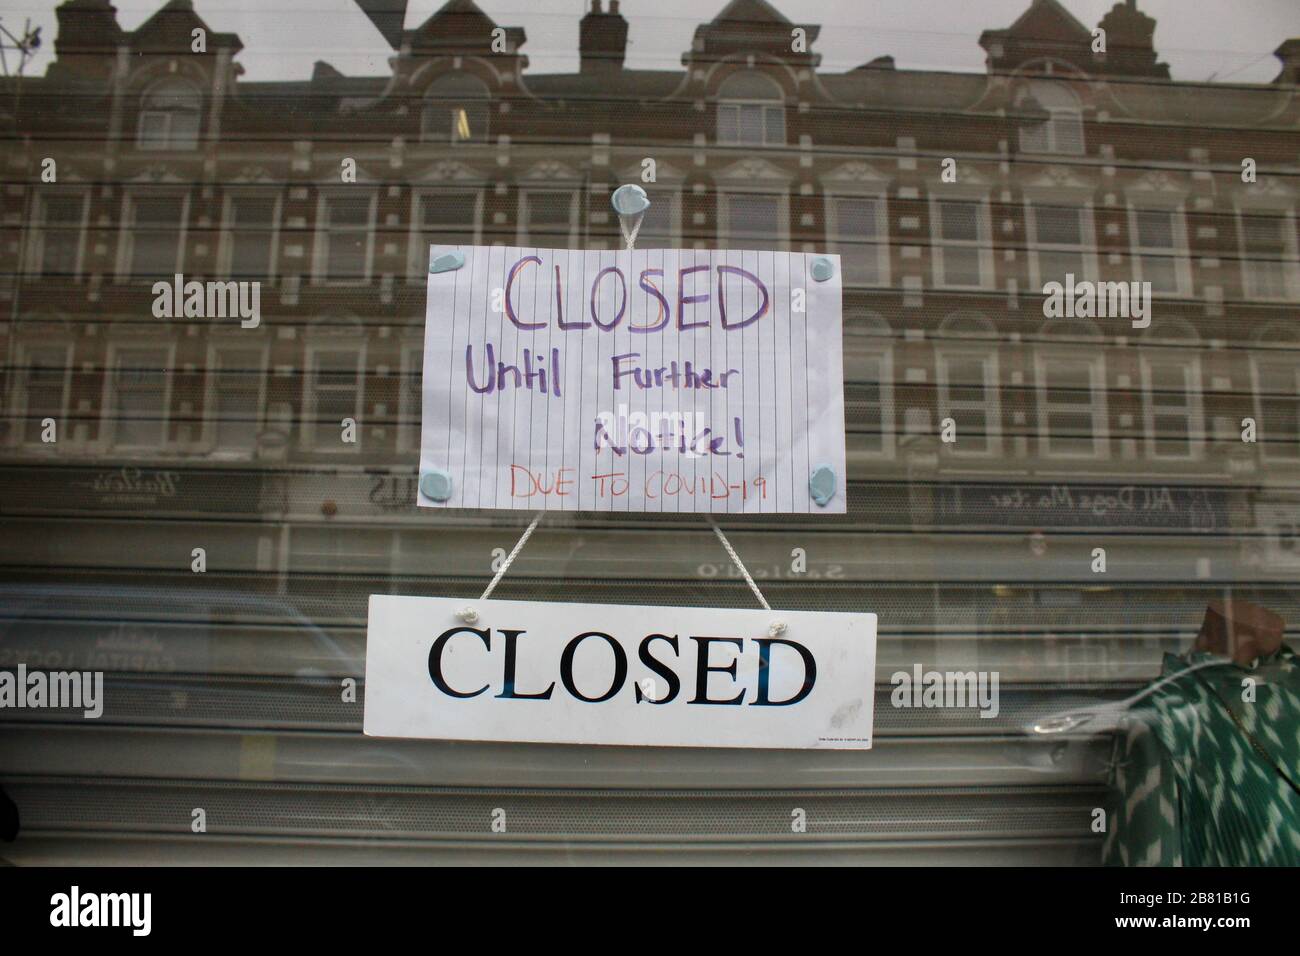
(1172, 411)
(872, 405)
(411, 397)
(756, 215)
(1061, 132)
(758, 123)
(1268, 262)
(1156, 235)
(1062, 241)
(968, 395)
(140, 397)
(237, 398)
(1277, 398)
(157, 223)
(168, 129)
(45, 388)
(858, 236)
(250, 237)
(550, 213)
(347, 234)
(959, 259)
(337, 380)
(1069, 414)
(62, 219)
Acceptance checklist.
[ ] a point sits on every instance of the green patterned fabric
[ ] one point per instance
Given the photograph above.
(1188, 786)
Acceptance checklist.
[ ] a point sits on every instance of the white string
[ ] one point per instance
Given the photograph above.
(630, 235)
(777, 627)
(469, 614)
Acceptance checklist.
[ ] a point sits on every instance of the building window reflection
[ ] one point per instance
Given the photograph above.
(1268, 253)
(45, 376)
(170, 112)
(1061, 242)
(455, 110)
(962, 249)
(138, 396)
(1071, 405)
(1056, 125)
(345, 239)
(249, 238)
(1159, 235)
(335, 379)
(751, 111)
(856, 225)
(58, 240)
(153, 230)
(235, 399)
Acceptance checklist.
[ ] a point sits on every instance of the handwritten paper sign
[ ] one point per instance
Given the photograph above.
(604, 674)
(669, 380)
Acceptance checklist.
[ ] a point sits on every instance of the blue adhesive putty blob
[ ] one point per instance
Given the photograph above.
(629, 200)
(447, 262)
(822, 269)
(821, 485)
(435, 484)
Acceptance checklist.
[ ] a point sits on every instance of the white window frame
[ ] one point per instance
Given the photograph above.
(1181, 251)
(984, 243)
(1191, 365)
(311, 440)
(226, 254)
(320, 258)
(1284, 359)
(1055, 116)
(992, 405)
(20, 401)
(1281, 520)
(169, 145)
(856, 355)
(417, 265)
(838, 243)
(1290, 263)
(409, 432)
(726, 191)
(1088, 241)
(230, 343)
(1096, 389)
(525, 209)
(126, 234)
(766, 105)
(35, 266)
(110, 424)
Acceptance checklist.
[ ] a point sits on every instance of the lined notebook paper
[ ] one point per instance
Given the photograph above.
(678, 380)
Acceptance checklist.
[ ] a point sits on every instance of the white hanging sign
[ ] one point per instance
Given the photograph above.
(615, 674)
(659, 380)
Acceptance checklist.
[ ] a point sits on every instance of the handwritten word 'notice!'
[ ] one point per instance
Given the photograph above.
(670, 380)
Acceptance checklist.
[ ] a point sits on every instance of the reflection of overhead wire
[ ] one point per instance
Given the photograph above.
(1239, 69)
